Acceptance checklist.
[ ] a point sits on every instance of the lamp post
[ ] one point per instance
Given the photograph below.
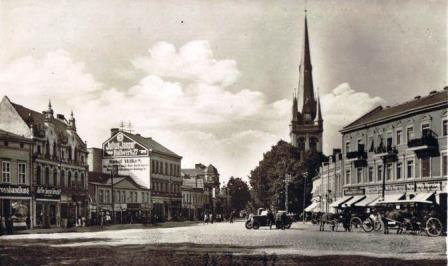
(288, 179)
(114, 172)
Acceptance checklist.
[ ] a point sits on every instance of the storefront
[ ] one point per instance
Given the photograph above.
(15, 202)
(48, 207)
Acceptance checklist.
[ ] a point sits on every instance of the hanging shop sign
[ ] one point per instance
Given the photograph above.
(123, 146)
(14, 190)
(48, 193)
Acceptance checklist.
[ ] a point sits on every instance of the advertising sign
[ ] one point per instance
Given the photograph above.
(48, 193)
(353, 191)
(137, 168)
(122, 146)
(14, 190)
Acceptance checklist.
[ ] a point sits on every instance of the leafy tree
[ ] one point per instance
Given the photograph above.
(239, 193)
(268, 178)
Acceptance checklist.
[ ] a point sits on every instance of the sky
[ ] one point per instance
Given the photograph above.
(213, 80)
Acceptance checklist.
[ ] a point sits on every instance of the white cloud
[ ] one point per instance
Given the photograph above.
(195, 116)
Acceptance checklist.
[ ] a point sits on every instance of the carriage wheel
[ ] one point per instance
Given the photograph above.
(255, 225)
(356, 224)
(377, 225)
(248, 224)
(367, 225)
(433, 227)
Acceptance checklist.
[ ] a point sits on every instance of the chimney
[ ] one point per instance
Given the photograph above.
(417, 97)
(114, 131)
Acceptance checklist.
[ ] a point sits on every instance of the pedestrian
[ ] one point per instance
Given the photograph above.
(211, 218)
(232, 213)
(346, 215)
(271, 218)
(28, 223)
(205, 218)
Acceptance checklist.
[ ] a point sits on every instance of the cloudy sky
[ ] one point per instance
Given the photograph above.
(212, 80)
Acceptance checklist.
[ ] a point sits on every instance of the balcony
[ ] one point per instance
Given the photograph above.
(360, 163)
(388, 154)
(427, 142)
(360, 154)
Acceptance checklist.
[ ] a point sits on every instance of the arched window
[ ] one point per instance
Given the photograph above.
(70, 152)
(47, 176)
(38, 175)
(55, 177)
(313, 143)
(69, 179)
(76, 179)
(62, 178)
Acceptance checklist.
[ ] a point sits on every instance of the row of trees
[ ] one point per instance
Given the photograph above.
(267, 180)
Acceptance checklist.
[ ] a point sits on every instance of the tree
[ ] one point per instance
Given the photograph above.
(267, 179)
(239, 193)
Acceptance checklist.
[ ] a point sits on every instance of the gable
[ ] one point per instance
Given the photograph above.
(121, 145)
(126, 184)
(11, 121)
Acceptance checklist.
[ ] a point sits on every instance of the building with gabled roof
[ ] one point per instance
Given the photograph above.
(59, 168)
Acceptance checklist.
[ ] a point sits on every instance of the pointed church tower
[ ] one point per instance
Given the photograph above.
(307, 127)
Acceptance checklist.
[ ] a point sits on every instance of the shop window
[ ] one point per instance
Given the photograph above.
(444, 164)
(6, 172)
(410, 169)
(399, 170)
(426, 167)
(379, 172)
(21, 176)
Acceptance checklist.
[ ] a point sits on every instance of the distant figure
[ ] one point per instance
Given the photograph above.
(206, 218)
(346, 216)
(211, 218)
(270, 218)
(9, 225)
(232, 213)
(28, 222)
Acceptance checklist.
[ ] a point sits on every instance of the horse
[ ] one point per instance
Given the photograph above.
(329, 218)
(398, 216)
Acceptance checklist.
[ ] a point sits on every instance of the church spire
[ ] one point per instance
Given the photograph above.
(306, 79)
(319, 112)
(295, 109)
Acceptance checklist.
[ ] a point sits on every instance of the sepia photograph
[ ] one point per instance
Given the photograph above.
(224, 132)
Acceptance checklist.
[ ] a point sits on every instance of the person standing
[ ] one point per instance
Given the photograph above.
(232, 213)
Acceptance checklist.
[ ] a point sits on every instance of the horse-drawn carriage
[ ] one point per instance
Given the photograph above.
(264, 218)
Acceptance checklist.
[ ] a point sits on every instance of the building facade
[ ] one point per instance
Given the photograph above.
(15, 180)
(151, 165)
(397, 151)
(59, 167)
(193, 197)
(131, 202)
(306, 127)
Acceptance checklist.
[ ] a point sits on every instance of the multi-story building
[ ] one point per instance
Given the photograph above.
(399, 151)
(151, 165)
(192, 194)
(131, 201)
(307, 126)
(15, 180)
(59, 162)
(210, 176)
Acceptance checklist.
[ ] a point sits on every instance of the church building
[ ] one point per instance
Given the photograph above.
(306, 126)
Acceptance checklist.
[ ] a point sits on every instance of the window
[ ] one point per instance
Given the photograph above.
(55, 177)
(6, 172)
(425, 126)
(444, 165)
(370, 174)
(410, 168)
(347, 147)
(82, 180)
(107, 196)
(21, 175)
(38, 175)
(426, 167)
(69, 177)
(399, 170)
(38, 149)
(359, 175)
(379, 171)
(152, 167)
(166, 168)
(47, 176)
(123, 196)
(371, 143)
(62, 178)
(389, 171)
(399, 136)
(101, 198)
(389, 140)
(409, 133)
(347, 177)
(76, 179)
(445, 127)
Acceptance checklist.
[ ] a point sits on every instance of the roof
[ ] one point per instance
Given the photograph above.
(39, 119)
(151, 144)
(105, 179)
(212, 170)
(192, 172)
(379, 114)
(8, 135)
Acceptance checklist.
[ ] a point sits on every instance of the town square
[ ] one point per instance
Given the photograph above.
(223, 132)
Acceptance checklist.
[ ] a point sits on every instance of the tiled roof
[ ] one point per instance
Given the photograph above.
(9, 135)
(380, 114)
(39, 118)
(193, 172)
(149, 143)
(105, 178)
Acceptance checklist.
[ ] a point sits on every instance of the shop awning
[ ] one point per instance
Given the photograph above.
(340, 201)
(367, 201)
(317, 209)
(354, 200)
(419, 198)
(311, 207)
(389, 198)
